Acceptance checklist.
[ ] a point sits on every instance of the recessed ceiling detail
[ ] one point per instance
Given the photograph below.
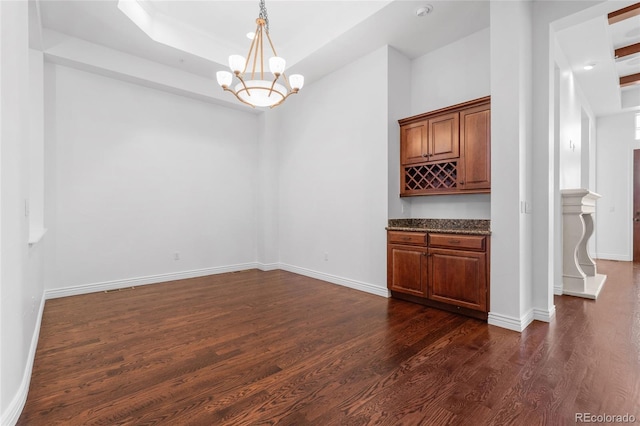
(625, 24)
(316, 36)
(210, 30)
(610, 40)
(625, 13)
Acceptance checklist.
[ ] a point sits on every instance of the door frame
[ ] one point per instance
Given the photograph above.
(635, 198)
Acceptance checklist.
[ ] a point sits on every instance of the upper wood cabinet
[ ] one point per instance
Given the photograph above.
(444, 140)
(447, 151)
(475, 131)
(431, 140)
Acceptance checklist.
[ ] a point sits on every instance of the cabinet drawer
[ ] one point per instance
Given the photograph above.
(399, 237)
(467, 242)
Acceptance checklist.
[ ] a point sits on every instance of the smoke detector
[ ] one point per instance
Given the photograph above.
(424, 10)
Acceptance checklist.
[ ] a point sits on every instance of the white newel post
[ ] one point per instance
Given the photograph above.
(579, 276)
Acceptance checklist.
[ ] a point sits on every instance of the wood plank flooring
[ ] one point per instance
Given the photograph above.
(255, 347)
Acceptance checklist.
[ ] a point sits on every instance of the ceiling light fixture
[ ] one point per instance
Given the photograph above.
(258, 91)
(589, 67)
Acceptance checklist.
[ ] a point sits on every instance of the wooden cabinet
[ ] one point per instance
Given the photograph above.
(408, 271)
(458, 277)
(447, 271)
(446, 151)
(433, 139)
(475, 132)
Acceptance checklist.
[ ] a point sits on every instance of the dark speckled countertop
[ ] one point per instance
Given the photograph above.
(449, 226)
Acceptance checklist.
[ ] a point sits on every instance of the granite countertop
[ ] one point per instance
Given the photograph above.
(448, 226)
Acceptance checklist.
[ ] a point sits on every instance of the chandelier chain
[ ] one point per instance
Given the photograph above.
(263, 14)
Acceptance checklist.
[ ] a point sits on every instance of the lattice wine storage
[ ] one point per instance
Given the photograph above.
(430, 177)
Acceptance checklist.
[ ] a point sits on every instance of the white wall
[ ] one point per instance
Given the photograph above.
(511, 140)
(545, 203)
(333, 176)
(453, 74)
(570, 123)
(36, 143)
(21, 265)
(616, 142)
(139, 175)
(268, 255)
(399, 106)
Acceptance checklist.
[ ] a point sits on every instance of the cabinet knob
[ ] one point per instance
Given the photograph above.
(461, 182)
(425, 155)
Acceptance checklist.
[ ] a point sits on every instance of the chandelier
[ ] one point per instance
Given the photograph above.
(258, 91)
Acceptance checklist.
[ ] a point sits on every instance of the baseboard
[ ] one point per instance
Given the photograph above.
(546, 315)
(11, 415)
(154, 279)
(511, 323)
(557, 289)
(150, 279)
(268, 266)
(619, 257)
(345, 282)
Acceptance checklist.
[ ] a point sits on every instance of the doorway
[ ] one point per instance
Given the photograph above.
(636, 205)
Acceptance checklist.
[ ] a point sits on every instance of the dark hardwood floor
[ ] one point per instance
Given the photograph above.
(278, 348)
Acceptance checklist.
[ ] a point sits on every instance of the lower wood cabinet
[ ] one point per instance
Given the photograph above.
(408, 271)
(459, 278)
(447, 271)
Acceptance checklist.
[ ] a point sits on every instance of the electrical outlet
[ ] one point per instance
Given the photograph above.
(176, 256)
(326, 257)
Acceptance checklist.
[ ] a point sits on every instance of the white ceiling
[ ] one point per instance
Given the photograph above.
(317, 37)
(593, 41)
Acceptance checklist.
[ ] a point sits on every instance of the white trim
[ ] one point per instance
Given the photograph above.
(155, 279)
(150, 279)
(509, 322)
(557, 289)
(268, 266)
(619, 257)
(544, 315)
(12, 413)
(345, 282)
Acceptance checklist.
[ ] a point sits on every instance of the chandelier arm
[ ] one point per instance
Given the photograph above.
(246, 64)
(286, 81)
(273, 84)
(293, 92)
(243, 84)
(262, 57)
(273, 49)
(255, 54)
(271, 44)
(238, 97)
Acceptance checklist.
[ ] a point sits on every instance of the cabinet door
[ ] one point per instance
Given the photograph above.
(407, 270)
(444, 142)
(458, 277)
(475, 134)
(413, 143)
